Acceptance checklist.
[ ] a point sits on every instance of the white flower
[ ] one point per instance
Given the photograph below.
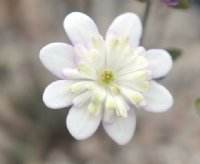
(105, 80)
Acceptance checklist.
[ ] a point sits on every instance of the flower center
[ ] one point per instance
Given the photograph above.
(107, 77)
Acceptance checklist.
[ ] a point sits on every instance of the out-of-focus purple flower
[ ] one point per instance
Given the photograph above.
(171, 2)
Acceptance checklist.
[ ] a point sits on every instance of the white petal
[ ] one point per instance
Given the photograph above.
(140, 63)
(109, 110)
(121, 106)
(86, 69)
(57, 95)
(158, 98)
(98, 43)
(91, 56)
(80, 86)
(80, 28)
(70, 73)
(95, 106)
(136, 98)
(126, 25)
(122, 129)
(119, 48)
(132, 56)
(82, 98)
(109, 115)
(81, 123)
(160, 62)
(137, 76)
(56, 56)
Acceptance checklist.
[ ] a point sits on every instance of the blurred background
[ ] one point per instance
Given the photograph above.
(32, 134)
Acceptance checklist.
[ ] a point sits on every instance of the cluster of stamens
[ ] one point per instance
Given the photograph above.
(107, 77)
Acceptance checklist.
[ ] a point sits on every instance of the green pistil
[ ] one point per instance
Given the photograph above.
(107, 77)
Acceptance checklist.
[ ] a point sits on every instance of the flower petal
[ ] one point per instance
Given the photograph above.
(56, 57)
(92, 56)
(140, 63)
(96, 103)
(109, 109)
(109, 115)
(136, 98)
(126, 25)
(134, 55)
(122, 129)
(119, 48)
(75, 74)
(160, 62)
(158, 98)
(80, 28)
(81, 123)
(57, 94)
(82, 98)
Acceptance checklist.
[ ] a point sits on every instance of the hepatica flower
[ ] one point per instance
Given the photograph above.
(105, 80)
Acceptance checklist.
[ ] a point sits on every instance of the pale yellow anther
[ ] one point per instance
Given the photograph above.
(121, 112)
(110, 105)
(113, 43)
(94, 55)
(137, 98)
(94, 109)
(96, 100)
(86, 69)
(97, 41)
(118, 105)
(143, 85)
(90, 87)
(134, 97)
(76, 88)
(140, 76)
(141, 62)
(125, 41)
(80, 51)
(96, 103)
(80, 86)
(121, 107)
(114, 88)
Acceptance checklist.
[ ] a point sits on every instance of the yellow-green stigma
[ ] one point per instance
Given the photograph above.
(107, 77)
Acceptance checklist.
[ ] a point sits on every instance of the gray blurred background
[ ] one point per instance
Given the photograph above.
(32, 134)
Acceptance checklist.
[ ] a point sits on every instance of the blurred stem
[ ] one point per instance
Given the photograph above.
(145, 19)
